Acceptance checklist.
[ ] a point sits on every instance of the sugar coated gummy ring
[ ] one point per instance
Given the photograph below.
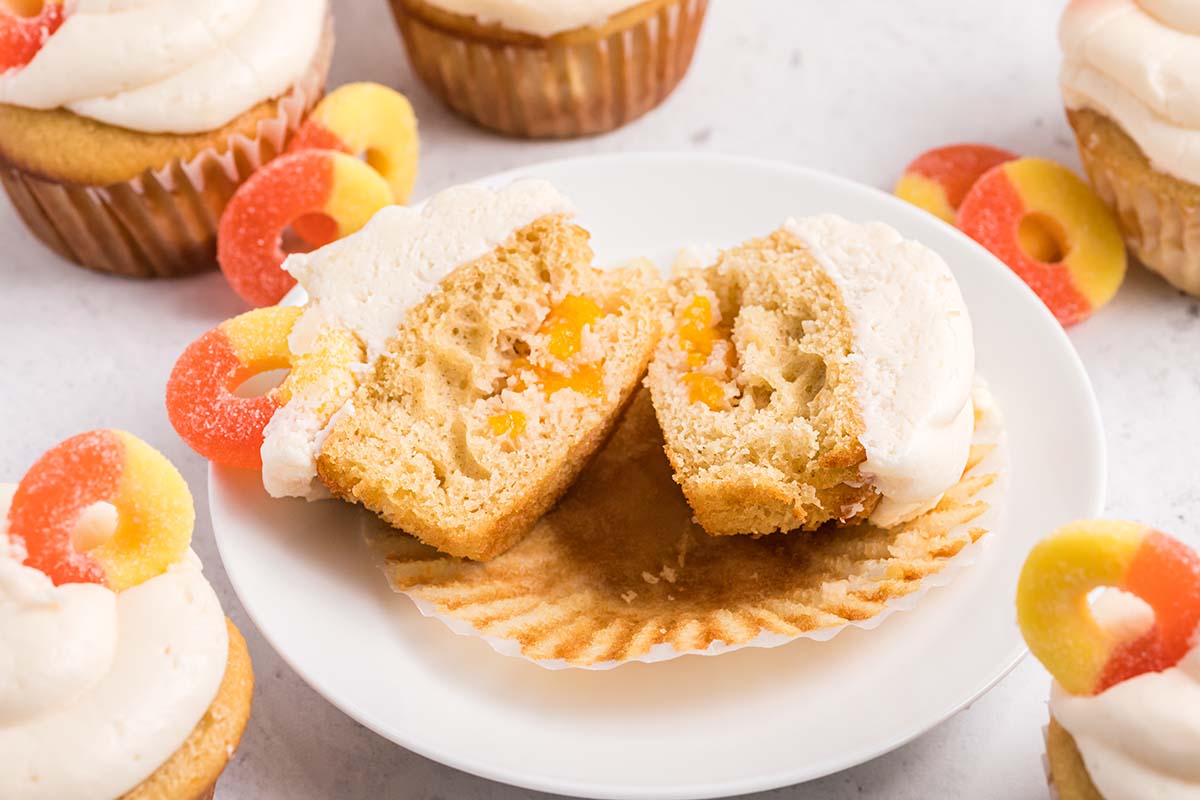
(201, 400)
(1052, 602)
(22, 35)
(1051, 229)
(369, 121)
(250, 235)
(938, 180)
(154, 512)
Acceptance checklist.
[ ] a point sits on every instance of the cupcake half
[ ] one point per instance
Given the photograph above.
(124, 135)
(821, 374)
(496, 360)
(551, 69)
(123, 677)
(1128, 82)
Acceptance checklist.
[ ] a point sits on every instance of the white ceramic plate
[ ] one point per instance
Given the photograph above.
(694, 727)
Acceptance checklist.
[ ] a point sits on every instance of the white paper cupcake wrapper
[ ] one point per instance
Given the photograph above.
(988, 431)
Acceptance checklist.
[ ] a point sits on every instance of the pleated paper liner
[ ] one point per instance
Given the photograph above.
(1158, 214)
(618, 572)
(162, 223)
(577, 83)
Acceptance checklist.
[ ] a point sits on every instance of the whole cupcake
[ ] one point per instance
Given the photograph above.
(125, 128)
(1130, 88)
(551, 69)
(1125, 706)
(120, 676)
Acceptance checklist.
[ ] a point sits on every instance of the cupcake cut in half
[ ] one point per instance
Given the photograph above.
(823, 373)
(500, 359)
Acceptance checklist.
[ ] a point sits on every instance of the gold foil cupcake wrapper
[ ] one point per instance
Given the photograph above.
(620, 573)
(162, 223)
(1163, 233)
(556, 87)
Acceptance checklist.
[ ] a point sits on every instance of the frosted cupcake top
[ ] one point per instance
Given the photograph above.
(538, 17)
(1139, 738)
(169, 66)
(99, 688)
(914, 345)
(1136, 61)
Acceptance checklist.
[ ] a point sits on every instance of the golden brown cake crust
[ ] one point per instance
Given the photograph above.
(1158, 213)
(192, 771)
(1101, 138)
(619, 567)
(59, 145)
(1067, 770)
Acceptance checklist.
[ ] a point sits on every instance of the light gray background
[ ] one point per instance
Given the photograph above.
(856, 87)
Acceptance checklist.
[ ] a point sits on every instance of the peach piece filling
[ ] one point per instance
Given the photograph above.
(697, 338)
(563, 327)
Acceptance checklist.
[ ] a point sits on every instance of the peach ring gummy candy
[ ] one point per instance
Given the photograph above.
(308, 182)
(1052, 602)
(937, 181)
(201, 400)
(154, 513)
(1051, 229)
(368, 121)
(24, 28)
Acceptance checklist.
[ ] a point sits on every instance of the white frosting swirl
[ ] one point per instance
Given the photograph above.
(98, 689)
(537, 17)
(368, 282)
(169, 66)
(914, 345)
(1136, 61)
(1141, 738)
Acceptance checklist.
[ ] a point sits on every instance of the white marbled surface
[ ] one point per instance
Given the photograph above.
(856, 87)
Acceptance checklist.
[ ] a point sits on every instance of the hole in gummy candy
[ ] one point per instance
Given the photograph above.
(1122, 614)
(1042, 238)
(377, 160)
(308, 232)
(95, 526)
(261, 383)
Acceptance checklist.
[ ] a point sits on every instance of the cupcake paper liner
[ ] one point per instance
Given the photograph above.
(554, 87)
(162, 223)
(1163, 232)
(619, 572)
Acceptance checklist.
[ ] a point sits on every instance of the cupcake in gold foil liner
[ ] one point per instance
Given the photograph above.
(163, 221)
(619, 572)
(1159, 214)
(575, 83)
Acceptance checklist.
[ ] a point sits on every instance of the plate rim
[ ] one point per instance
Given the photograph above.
(1097, 484)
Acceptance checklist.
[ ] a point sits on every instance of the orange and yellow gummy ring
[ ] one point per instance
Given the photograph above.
(154, 512)
(1051, 229)
(202, 403)
(938, 180)
(25, 26)
(307, 182)
(371, 122)
(1057, 622)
